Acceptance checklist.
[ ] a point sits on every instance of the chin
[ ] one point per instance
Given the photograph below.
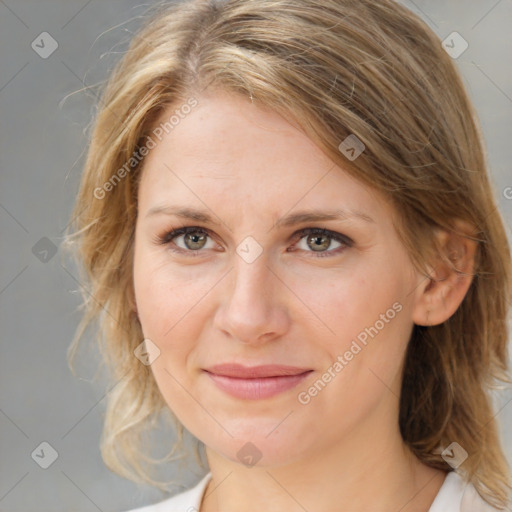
(260, 444)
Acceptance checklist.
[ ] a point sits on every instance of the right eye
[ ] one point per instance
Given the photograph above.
(194, 238)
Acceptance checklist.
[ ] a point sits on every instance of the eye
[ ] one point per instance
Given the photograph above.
(195, 238)
(320, 239)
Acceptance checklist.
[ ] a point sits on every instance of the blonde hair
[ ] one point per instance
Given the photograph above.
(338, 68)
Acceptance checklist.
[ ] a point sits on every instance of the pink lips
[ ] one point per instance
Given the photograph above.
(256, 382)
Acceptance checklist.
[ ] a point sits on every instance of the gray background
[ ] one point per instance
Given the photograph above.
(44, 112)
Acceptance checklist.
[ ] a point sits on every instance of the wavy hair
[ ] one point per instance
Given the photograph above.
(337, 67)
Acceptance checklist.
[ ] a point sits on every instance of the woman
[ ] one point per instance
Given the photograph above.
(292, 245)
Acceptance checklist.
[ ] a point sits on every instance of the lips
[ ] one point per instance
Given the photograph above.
(252, 372)
(256, 382)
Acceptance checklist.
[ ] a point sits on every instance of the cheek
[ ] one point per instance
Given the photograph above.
(366, 306)
(155, 298)
(170, 303)
(160, 295)
(369, 316)
(165, 304)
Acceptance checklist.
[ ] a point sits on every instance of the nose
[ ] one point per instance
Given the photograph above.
(252, 308)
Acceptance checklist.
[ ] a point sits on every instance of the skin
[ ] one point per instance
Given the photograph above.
(247, 167)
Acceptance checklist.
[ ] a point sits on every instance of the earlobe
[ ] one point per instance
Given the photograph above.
(439, 297)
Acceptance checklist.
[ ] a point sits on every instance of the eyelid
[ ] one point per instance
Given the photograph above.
(169, 235)
(340, 237)
(183, 230)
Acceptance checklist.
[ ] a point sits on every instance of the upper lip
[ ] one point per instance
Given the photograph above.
(248, 372)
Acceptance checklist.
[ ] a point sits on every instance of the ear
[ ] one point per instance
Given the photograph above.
(438, 298)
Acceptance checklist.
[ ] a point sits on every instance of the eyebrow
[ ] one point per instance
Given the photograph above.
(290, 220)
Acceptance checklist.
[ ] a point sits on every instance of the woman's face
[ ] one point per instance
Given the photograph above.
(253, 284)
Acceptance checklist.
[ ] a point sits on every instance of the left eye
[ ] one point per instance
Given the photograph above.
(317, 239)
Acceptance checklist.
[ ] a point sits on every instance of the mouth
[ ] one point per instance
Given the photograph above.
(257, 382)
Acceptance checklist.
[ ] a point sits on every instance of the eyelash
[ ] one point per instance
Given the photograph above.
(343, 239)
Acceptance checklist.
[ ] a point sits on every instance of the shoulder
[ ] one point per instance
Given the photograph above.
(187, 501)
(457, 495)
(473, 502)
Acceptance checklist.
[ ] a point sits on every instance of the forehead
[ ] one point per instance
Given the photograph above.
(228, 151)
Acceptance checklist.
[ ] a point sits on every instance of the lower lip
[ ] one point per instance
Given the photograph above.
(256, 389)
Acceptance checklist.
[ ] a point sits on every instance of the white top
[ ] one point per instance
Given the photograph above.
(453, 496)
